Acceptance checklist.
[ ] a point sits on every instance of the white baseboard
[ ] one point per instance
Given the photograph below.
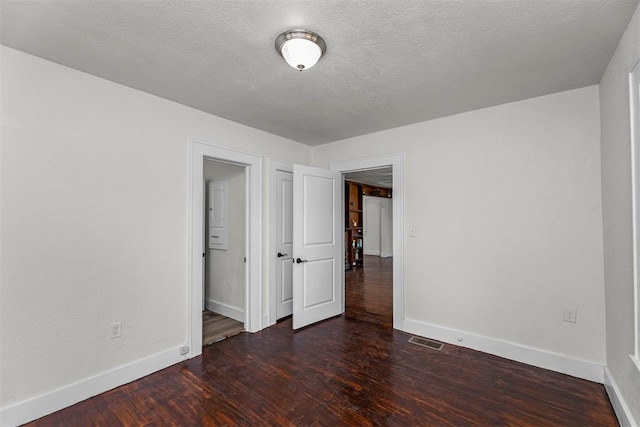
(47, 403)
(378, 254)
(531, 356)
(226, 310)
(617, 401)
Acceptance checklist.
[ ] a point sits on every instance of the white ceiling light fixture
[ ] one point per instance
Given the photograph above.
(300, 48)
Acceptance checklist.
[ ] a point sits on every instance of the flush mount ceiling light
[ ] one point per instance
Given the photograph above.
(300, 48)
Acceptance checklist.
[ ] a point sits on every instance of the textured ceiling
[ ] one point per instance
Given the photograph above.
(382, 177)
(389, 63)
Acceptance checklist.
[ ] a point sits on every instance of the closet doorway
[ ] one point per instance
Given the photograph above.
(225, 248)
(200, 152)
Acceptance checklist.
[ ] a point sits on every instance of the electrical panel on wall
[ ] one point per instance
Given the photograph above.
(217, 235)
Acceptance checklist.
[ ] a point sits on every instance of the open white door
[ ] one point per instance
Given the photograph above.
(318, 264)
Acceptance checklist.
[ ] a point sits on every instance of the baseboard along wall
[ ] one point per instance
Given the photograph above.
(531, 356)
(47, 403)
(227, 310)
(620, 406)
(44, 404)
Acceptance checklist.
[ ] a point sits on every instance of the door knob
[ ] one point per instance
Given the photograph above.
(280, 255)
(298, 260)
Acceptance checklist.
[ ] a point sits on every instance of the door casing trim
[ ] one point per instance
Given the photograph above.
(396, 161)
(199, 152)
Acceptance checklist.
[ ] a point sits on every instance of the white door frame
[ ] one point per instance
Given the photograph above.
(274, 166)
(199, 152)
(396, 161)
(634, 121)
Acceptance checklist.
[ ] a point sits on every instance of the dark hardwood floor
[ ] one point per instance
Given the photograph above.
(369, 291)
(349, 370)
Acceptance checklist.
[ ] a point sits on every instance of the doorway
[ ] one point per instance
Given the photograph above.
(224, 251)
(393, 161)
(252, 164)
(369, 263)
(396, 163)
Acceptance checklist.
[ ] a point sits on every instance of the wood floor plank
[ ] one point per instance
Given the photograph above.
(350, 370)
(216, 327)
(369, 291)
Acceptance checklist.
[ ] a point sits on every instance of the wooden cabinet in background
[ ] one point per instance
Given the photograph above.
(369, 190)
(354, 220)
(353, 223)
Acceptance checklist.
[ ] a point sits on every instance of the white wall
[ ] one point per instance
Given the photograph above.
(378, 226)
(386, 228)
(616, 204)
(506, 203)
(371, 226)
(224, 271)
(94, 209)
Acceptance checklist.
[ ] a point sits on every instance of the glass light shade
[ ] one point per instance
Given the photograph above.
(301, 54)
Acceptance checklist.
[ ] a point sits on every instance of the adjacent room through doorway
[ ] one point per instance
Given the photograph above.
(368, 246)
(383, 229)
(223, 292)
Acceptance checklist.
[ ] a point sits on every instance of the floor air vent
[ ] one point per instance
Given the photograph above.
(426, 343)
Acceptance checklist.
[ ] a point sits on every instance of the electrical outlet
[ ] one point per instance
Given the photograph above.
(116, 329)
(570, 314)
